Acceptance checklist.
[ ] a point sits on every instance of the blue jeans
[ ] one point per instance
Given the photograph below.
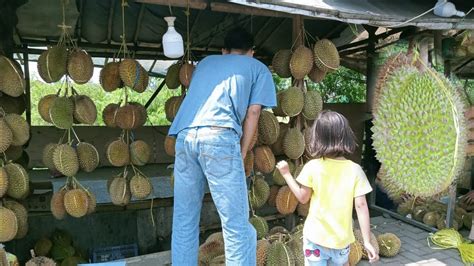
(211, 154)
(316, 255)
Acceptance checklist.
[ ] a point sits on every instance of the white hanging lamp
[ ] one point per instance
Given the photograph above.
(172, 41)
(446, 9)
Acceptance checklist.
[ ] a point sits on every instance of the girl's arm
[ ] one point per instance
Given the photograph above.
(364, 223)
(303, 193)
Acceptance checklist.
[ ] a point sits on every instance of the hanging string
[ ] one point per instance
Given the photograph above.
(169, 6)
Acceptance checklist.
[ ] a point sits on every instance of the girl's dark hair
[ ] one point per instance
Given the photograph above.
(331, 136)
(239, 39)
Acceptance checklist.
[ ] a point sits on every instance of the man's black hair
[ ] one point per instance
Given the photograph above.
(238, 39)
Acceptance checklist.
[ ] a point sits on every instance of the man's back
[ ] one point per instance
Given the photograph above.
(222, 88)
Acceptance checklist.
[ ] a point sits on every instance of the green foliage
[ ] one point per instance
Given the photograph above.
(156, 113)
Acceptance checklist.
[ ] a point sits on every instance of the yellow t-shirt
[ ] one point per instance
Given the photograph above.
(335, 184)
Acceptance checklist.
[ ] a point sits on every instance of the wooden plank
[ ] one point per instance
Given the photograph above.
(194, 4)
(239, 9)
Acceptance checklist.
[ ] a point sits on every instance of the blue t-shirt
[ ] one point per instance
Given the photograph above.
(222, 88)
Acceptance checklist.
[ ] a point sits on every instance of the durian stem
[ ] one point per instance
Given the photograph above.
(151, 213)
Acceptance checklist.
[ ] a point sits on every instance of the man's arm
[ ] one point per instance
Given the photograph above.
(249, 128)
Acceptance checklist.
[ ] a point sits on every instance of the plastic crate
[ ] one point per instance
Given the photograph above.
(114, 253)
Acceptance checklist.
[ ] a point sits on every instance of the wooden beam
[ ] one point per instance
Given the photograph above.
(246, 10)
(111, 20)
(139, 23)
(194, 4)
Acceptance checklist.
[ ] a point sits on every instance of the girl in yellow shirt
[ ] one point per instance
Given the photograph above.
(333, 184)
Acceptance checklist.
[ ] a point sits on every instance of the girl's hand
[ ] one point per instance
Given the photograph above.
(283, 167)
(373, 255)
(468, 198)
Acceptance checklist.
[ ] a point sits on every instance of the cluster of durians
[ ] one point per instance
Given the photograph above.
(121, 188)
(179, 74)
(63, 112)
(74, 200)
(68, 159)
(128, 72)
(13, 218)
(129, 116)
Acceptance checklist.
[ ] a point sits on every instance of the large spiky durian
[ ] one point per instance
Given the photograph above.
(6, 135)
(264, 159)
(303, 209)
(296, 246)
(88, 156)
(61, 112)
(21, 217)
(393, 190)
(218, 261)
(85, 111)
(262, 251)
(20, 129)
(185, 72)
(278, 178)
(286, 201)
(259, 192)
(360, 239)
(3, 182)
(52, 64)
(44, 105)
(301, 62)
(431, 218)
(47, 156)
(118, 153)
(11, 81)
(14, 153)
(294, 143)
(140, 186)
(389, 244)
(316, 75)
(76, 202)
(92, 203)
(119, 191)
(57, 204)
(326, 56)
(273, 195)
(277, 109)
(277, 147)
(279, 254)
(281, 63)
(260, 225)
(110, 77)
(18, 181)
(133, 75)
(313, 104)
(80, 66)
(127, 117)
(8, 225)
(355, 254)
(268, 128)
(43, 246)
(141, 113)
(109, 114)
(65, 160)
(16, 105)
(172, 76)
(210, 250)
(172, 106)
(418, 111)
(217, 236)
(292, 101)
(140, 152)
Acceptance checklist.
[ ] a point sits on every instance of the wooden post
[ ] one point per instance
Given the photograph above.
(298, 35)
(438, 54)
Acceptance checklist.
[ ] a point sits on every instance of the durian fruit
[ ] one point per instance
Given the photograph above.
(217, 236)
(277, 147)
(110, 77)
(6, 135)
(14, 153)
(19, 127)
(92, 203)
(8, 225)
(172, 76)
(185, 72)
(57, 204)
(170, 143)
(268, 128)
(118, 153)
(44, 105)
(109, 114)
(286, 201)
(140, 152)
(133, 75)
(278, 230)
(326, 56)
(52, 64)
(73, 261)
(441, 224)
(76, 202)
(21, 217)
(259, 192)
(41, 261)
(85, 110)
(142, 113)
(313, 104)
(406, 207)
(467, 220)
(281, 63)
(61, 112)
(389, 186)
(278, 178)
(65, 160)
(12, 82)
(264, 159)
(249, 163)
(389, 244)
(43, 246)
(120, 191)
(355, 254)
(88, 157)
(428, 103)
(47, 157)
(294, 143)
(218, 261)
(80, 66)
(273, 195)
(18, 181)
(292, 101)
(419, 212)
(279, 254)
(316, 75)
(277, 111)
(303, 209)
(172, 106)
(260, 225)
(296, 246)
(210, 250)
(262, 250)
(61, 252)
(360, 239)
(3, 182)
(431, 218)
(16, 105)
(301, 62)
(140, 186)
(127, 117)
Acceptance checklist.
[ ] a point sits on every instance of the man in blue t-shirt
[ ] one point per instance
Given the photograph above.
(214, 128)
